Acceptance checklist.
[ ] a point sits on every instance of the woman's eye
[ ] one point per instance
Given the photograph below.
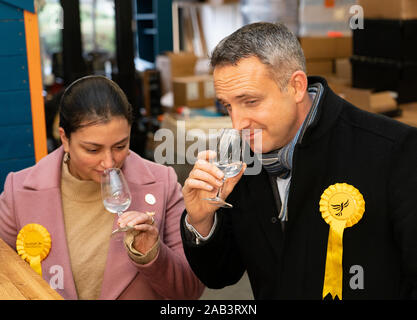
(119, 148)
(92, 150)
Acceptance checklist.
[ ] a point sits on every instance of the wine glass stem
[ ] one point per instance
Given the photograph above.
(221, 187)
(119, 213)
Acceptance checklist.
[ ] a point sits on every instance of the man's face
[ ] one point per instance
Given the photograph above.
(255, 101)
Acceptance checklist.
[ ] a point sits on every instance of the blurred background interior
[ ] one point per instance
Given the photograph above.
(157, 51)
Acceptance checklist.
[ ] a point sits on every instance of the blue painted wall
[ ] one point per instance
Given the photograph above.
(16, 136)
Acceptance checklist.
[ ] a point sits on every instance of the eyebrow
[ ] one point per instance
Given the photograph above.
(99, 145)
(221, 101)
(246, 95)
(239, 97)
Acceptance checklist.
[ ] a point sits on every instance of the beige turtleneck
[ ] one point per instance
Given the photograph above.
(88, 229)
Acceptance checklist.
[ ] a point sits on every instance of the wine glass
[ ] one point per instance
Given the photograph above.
(115, 192)
(228, 159)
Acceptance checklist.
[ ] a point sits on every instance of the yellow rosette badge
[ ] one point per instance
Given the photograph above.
(33, 244)
(341, 206)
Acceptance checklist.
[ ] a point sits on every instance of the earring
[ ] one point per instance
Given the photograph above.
(67, 157)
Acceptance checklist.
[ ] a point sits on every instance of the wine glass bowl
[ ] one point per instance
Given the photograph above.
(115, 191)
(228, 159)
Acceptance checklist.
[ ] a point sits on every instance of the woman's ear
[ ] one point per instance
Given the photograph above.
(64, 139)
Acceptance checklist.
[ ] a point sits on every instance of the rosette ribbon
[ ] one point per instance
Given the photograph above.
(33, 244)
(341, 206)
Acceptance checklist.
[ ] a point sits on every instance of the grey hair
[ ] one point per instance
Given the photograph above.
(272, 43)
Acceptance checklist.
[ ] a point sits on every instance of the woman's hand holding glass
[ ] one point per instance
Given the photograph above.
(143, 224)
(116, 199)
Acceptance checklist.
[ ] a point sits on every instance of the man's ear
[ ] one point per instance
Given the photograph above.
(299, 84)
(64, 139)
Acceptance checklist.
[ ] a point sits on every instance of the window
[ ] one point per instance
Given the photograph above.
(98, 26)
(50, 18)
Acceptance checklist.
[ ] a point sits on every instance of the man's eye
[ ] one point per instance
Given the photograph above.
(225, 105)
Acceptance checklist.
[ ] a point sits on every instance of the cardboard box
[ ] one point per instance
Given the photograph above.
(184, 132)
(389, 9)
(319, 66)
(366, 99)
(338, 85)
(326, 47)
(194, 91)
(409, 114)
(385, 74)
(343, 69)
(173, 65)
(377, 102)
(182, 63)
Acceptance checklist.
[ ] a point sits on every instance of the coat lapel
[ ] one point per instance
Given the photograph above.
(120, 270)
(41, 200)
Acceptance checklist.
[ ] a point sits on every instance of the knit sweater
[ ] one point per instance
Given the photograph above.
(88, 229)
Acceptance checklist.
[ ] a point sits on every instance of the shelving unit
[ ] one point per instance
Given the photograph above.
(154, 27)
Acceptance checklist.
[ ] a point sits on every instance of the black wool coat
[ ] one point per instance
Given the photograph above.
(373, 153)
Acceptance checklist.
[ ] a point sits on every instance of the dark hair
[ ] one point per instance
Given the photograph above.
(272, 43)
(92, 100)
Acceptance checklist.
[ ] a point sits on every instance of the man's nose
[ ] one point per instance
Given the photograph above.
(239, 120)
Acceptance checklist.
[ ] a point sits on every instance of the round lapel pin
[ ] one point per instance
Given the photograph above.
(150, 198)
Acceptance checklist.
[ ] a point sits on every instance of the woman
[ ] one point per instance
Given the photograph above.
(62, 193)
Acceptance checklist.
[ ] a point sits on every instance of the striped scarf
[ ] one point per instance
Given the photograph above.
(278, 163)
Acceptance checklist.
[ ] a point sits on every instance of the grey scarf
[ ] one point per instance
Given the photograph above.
(278, 163)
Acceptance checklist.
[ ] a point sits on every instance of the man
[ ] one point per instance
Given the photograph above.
(332, 213)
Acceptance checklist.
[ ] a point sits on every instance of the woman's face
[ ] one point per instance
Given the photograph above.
(96, 147)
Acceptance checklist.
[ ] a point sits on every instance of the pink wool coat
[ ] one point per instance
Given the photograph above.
(33, 196)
